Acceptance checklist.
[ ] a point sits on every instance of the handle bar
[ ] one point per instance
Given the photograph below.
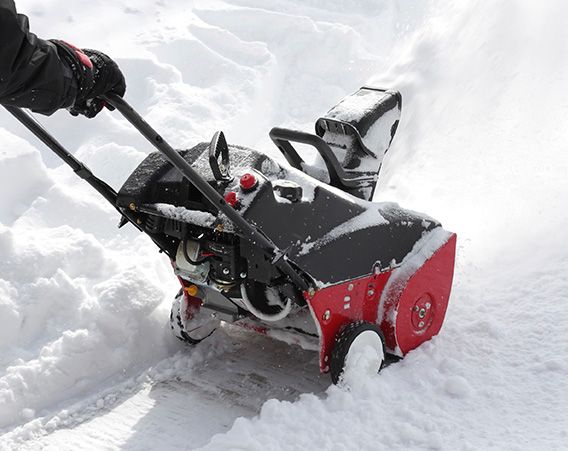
(248, 230)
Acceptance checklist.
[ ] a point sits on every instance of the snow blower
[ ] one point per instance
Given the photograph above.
(297, 251)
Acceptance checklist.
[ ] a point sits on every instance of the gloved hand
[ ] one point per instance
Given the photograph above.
(107, 78)
(96, 75)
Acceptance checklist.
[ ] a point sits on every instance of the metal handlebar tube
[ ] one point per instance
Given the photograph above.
(78, 167)
(248, 230)
(283, 138)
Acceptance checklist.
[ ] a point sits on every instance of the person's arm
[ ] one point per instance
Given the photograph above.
(47, 75)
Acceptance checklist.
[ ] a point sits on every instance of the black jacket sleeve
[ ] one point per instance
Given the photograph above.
(32, 74)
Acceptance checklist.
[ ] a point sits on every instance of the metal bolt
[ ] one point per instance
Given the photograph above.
(327, 315)
(326, 359)
(416, 308)
(350, 287)
(226, 271)
(311, 291)
(132, 206)
(421, 324)
(371, 293)
(428, 305)
(347, 299)
(139, 221)
(243, 275)
(422, 313)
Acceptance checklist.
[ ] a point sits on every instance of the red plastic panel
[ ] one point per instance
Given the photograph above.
(338, 305)
(415, 313)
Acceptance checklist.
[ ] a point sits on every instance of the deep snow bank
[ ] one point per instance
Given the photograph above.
(23, 176)
(78, 298)
(72, 315)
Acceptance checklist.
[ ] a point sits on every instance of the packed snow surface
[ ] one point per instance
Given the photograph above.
(86, 357)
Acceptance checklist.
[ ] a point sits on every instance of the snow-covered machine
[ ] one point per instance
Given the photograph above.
(297, 251)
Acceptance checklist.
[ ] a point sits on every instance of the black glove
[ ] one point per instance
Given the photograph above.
(107, 79)
(96, 75)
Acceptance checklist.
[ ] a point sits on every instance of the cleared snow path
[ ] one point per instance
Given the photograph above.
(183, 401)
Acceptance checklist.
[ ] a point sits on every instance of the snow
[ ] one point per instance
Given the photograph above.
(18, 157)
(199, 218)
(87, 360)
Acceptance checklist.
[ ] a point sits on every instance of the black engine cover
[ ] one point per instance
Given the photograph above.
(328, 234)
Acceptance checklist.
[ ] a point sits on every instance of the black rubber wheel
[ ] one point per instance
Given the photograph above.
(178, 327)
(346, 337)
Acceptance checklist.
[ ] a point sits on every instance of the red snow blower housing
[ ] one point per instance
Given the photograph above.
(296, 251)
